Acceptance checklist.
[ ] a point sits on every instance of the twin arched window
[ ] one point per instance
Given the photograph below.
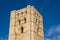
(20, 20)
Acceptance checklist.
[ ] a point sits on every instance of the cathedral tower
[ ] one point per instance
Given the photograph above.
(26, 24)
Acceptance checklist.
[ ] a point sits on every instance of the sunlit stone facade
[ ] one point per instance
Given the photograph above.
(26, 24)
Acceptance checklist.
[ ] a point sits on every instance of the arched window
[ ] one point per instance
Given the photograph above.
(18, 15)
(26, 11)
(25, 19)
(35, 13)
(22, 30)
(37, 29)
(36, 20)
(21, 13)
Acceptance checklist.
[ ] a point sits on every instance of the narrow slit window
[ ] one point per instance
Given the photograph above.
(21, 13)
(37, 30)
(25, 19)
(21, 29)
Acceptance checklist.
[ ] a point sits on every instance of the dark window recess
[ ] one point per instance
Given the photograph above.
(37, 14)
(25, 11)
(25, 19)
(21, 29)
(37, 30)
(18, 14)
(21, 13)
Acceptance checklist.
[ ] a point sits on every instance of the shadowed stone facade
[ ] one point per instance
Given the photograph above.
(26, 24)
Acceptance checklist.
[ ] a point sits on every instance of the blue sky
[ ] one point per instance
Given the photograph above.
(50, 10)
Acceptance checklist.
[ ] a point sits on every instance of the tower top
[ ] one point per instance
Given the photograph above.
(29, 5)
(26, 24)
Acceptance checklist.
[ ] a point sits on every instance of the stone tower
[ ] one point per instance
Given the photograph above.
(26, 24)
